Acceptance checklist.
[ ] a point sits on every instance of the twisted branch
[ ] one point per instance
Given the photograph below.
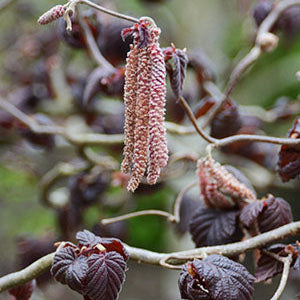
(168, 260)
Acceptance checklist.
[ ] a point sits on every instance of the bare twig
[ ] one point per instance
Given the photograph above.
(179, 199)
(73, 138)
(256, 138)
(194, 122)
(34, 270)
(73, 3)
(255, 52)
(168, 260)
(236, 138)
(59, 171)
(287, 261)
(93, 47)
(149, 212)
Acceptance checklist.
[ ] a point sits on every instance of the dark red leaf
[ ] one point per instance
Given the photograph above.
(215, 278)
(227, 122)
(251, 211)
(112, 244)
(88, 239)
(204, 107)
(210, 227)
(188, 206)
(277, 213)
(105, 276)
(289, 156)
(268, 267)
(94, 272)
(63, 259)
(24, 291)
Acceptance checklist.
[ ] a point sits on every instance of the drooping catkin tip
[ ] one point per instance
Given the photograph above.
(51, 15)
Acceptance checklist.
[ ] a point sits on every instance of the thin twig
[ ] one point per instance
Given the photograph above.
(59, 171)
(155, 258)
(194, 121)
(149, 212)
(287, 261)
(177, 203)
(73, 138)
(108, 11)
(255, 52)
(236, 138)
(5, 3)
(256, 138)
(79, 138)
(93, 47)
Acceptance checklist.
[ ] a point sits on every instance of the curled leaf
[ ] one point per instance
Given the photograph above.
(268, 267)
(215, 278)
(176, 64)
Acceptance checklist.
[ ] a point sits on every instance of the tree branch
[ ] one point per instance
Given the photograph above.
(34, 270)
(149, 212)
(169, 260)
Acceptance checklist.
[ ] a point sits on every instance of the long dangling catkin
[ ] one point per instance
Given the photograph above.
(51, 15)
(141, 132)
(130, 96)
(158, 151)
(144, 99)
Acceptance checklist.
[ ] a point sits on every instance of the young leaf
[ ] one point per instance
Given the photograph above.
(88, 239)
(215, 278)
(105, 276)
(214, 227)
(176, 69)
(24, 291)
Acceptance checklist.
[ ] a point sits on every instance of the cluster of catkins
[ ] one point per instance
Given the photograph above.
(144, 99)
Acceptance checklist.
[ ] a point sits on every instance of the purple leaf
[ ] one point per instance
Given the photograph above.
(176, 69)
(105, 276)
(277, 213)
(214, 227)
(215, 278)
(251, 211)
(113, 244)
(24, 291)
(88, 239)
(268, 267)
